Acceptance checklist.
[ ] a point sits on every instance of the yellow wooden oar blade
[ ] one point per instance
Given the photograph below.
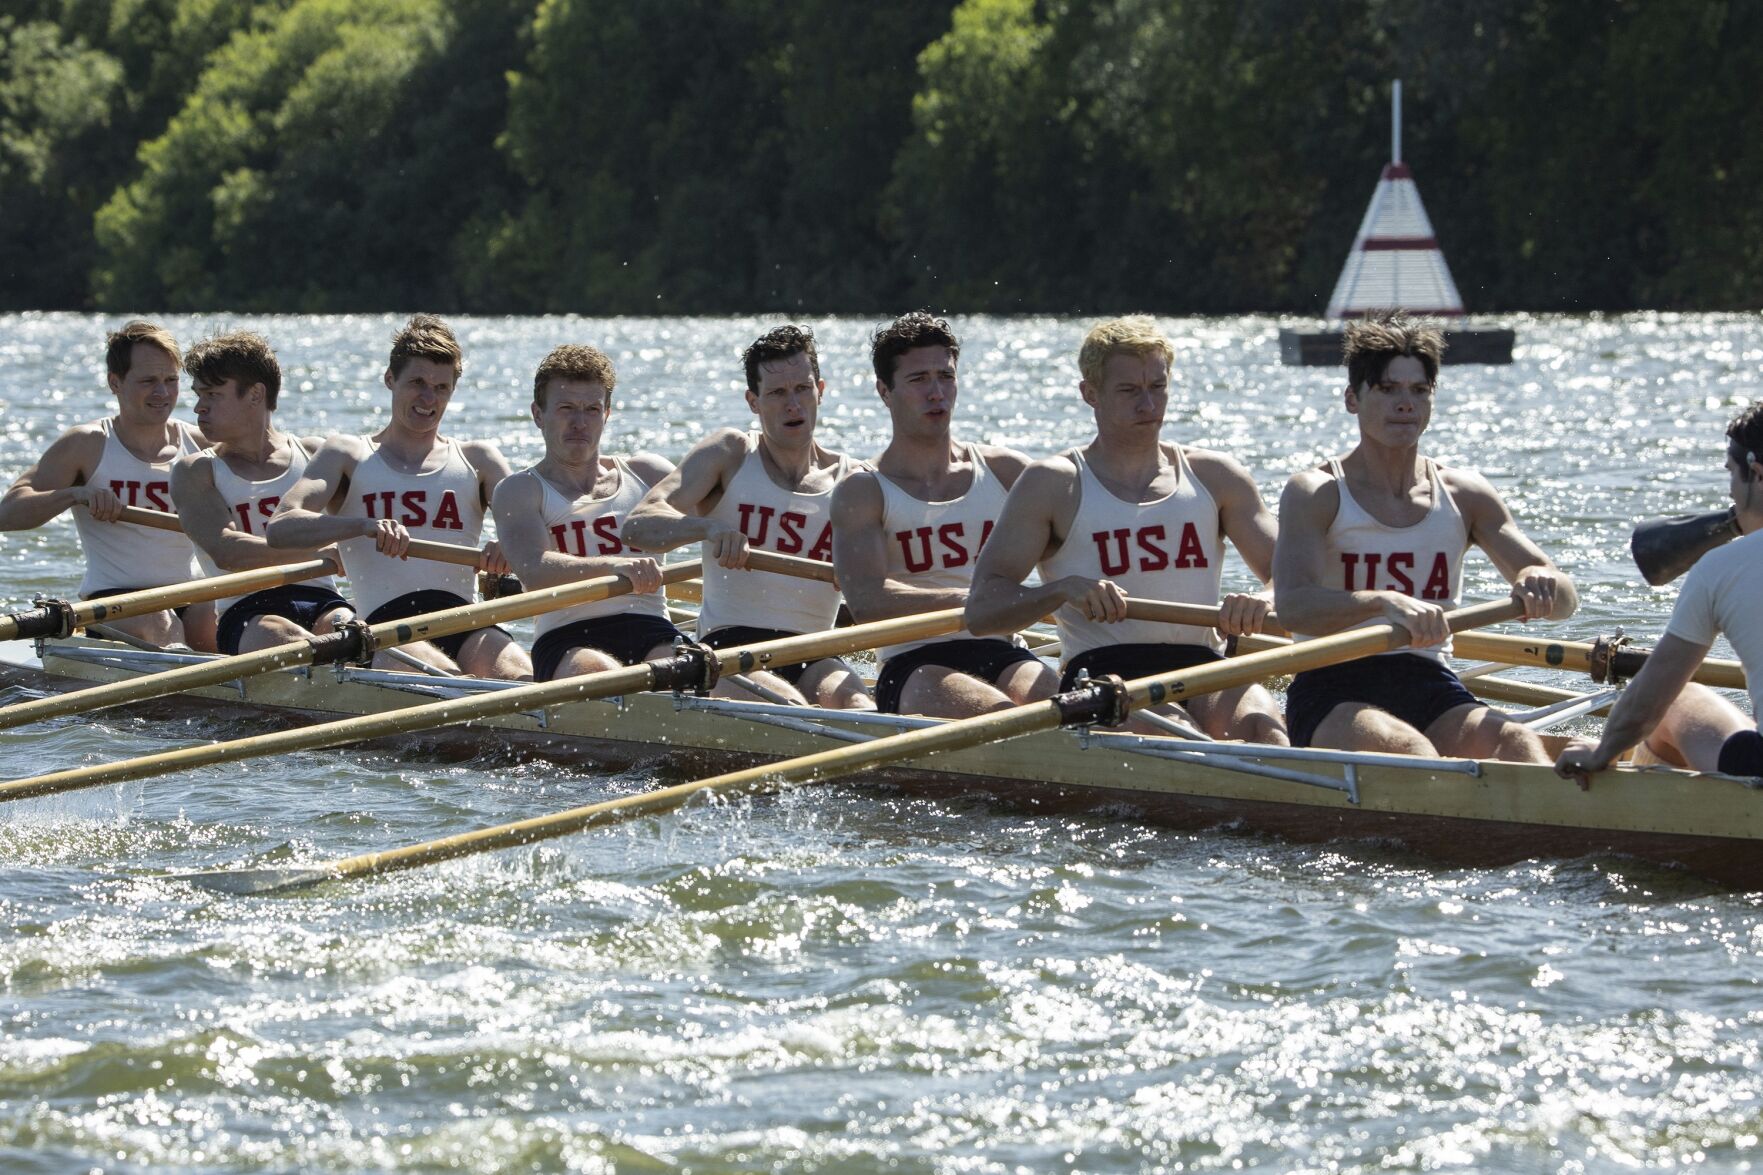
(843, 761)
(454, 711)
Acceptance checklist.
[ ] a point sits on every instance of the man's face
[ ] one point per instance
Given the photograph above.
(420, 393)
(573, 418)
(223, 412)
(1396, 408)
(148, 391)
(1132, 395)
(788, 400)
(922, 395)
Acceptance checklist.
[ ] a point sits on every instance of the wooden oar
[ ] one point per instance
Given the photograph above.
(667, 673)
(55, 621)
(1577, 655)
(1075, 708)
(1665, 548)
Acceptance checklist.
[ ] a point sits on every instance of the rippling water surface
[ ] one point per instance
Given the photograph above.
(845, 979)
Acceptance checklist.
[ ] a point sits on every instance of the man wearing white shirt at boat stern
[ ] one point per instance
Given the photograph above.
(372, 494)
(1131, 513)
(225, 495)
(123, 460)
(1378, 536)
(771, 490)
(1685, 724)
(907, 533)
(560, 523)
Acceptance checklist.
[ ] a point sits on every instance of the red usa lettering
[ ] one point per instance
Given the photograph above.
(1117, 549)
(412, 508)
(155, 495)
(571, 538)
(1397, 567)
(262, 508)
(756, 525)
(950, 550)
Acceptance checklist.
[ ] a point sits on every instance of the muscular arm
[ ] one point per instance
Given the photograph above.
(208, 522)
(1036, 514)
(860, 557)
(1006, 464)
(1545, 589)
(672, 514)
(55, 482)
(1242, 515)
(520, 521)
(1641, 707)
(302, 521)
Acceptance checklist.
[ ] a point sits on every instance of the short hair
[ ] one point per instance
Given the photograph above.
(1136, 334)
(906, 333)
(425, 337)
(242, 355)
(1744, 437)
(119, 345)
(779, 343)
(574, 361)
(1383, 335)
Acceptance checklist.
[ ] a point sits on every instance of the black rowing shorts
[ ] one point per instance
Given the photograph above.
(1135, 661)
(1418, 690)
(302, 603)
(987, 658)
(1742, 754)
(626, 638)
(420, 603)
(736, 635)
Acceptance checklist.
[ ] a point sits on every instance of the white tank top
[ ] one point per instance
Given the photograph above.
(1170, 549)
(121, 554)
(250, 503)
(935, 544)
(1424, 560)
(587, 527)
(443, 506)
(773, 519)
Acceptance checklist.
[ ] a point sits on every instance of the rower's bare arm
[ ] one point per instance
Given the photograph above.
(1301, 591)
(209, 523)
(303, 520)
(1641, 707)
(672, 513)
(528, 547)
(1245, 519)
(1028, 529)
(860, 558)
(490, 464)
(1544, 589)
(57, 482)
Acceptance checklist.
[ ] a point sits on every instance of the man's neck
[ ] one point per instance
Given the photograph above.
(1395, 468)
(257, 447)
(406, 444)
(920, 457)
(564, 472)
(1128, 458)
(792, 462)
(143, 436)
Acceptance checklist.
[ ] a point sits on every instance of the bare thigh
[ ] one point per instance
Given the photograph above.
(941, 692)
(832, 683)
(1481, 732)
(490, 652)
(1356, 726)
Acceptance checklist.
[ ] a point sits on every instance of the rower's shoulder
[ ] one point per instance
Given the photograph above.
(1059, 470)
(1214, 463)
(857, 496)
(650, 467)
(520, 490)
(1005, 463)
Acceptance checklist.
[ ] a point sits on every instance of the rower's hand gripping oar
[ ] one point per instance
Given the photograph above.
(1105, 701)
(695, 667)
(1665, 548)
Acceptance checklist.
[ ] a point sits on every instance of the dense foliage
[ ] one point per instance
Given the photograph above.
(680, 156)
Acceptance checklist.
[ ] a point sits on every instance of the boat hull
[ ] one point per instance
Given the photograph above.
(1500, 814)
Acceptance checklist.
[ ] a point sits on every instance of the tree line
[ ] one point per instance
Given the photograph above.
(1001, 156)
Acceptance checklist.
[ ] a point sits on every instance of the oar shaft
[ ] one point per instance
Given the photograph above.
(176, 595)
(1577, 655)
(1199, 615)
(786, 651)
(419, 548)
(913, 745)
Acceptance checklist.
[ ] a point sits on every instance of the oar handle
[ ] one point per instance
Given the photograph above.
(1199, 615)
(419, 548)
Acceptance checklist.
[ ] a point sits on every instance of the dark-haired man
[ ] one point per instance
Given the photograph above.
(1379, 536)
(772, 490)
(100, 467)
(560, 522)
(372, 494)
(226, 494)
(1132, 513)
(1685, 724)
(906, 534)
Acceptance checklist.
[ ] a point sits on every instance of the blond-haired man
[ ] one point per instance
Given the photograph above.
(1131, 513)
(372, 494)
(98, 468)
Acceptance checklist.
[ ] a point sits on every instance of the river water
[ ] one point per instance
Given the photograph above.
(847, 980)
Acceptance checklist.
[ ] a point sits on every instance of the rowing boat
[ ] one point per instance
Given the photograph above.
(1457, 810)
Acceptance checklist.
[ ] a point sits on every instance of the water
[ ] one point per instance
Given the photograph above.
(848, 980)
